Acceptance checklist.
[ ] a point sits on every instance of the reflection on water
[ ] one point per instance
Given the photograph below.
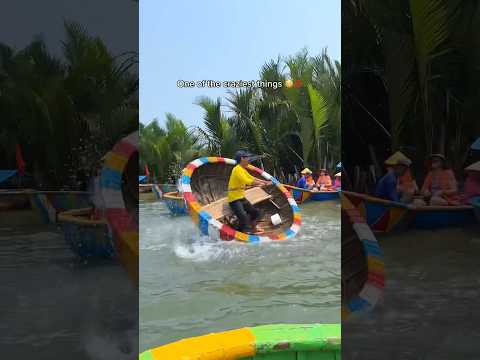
(431, 295)
(191, 286)
(87, 310)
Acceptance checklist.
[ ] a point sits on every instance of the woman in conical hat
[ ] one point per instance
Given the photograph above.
(440, 184)
(472, 182)
(306, 181)
(407, 185)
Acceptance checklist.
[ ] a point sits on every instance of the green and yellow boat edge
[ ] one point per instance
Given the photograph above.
(246, 343)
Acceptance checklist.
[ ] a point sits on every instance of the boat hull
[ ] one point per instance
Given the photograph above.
(381, 215)
(443, 216)
(363, 275)
(120, 204)
(175, 203)
(86, 238)
(302, 195)
(198, 193)
(275, 342)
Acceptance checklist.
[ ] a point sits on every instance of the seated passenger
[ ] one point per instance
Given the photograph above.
(472, 182)
(387, 187)
(324, 181)
(306, 181)
(440, 184)
(337, 184)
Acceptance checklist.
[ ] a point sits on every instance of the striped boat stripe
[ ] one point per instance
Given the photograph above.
(372, 291)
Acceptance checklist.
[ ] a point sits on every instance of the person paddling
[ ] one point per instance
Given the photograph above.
(240, 178)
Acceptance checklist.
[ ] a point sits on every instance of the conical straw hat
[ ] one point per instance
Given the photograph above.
(306, 171)
(398, 158)
(473, 167)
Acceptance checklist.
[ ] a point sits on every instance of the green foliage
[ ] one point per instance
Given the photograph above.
(65, 113)
(292, 127)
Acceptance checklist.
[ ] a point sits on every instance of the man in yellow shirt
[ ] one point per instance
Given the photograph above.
(246, 213)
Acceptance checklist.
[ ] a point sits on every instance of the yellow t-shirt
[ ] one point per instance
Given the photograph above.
(239, 178)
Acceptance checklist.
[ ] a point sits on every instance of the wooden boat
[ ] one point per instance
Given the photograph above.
(476, 207)
(301, 195)
(385, 216)
(381, 215)
(362, 263)
(146, 192)
(86, 237)
(175, 203)
(267, 342)
(205, 183)
(434, 217)
(119, 190)
(32, 207)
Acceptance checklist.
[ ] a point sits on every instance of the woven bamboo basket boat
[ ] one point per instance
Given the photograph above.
(205, 185)
(363, 274)
(175, 203)
(86, 237)
(119, 190)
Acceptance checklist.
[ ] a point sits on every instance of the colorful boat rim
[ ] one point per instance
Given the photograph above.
(372, 290)
(211, 226)
(123, 225)
(380, 214)
(175, 203)
(279, 342)
(87, 238)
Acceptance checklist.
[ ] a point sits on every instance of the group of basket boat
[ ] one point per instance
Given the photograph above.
(385, 216)
(107, 232)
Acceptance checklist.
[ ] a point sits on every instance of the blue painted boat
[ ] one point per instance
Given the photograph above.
(434, 217)
(87, 238)
(175, 203)
(301, 195)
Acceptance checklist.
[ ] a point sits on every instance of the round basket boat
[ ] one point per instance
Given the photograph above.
(119, 188)
(175, 203)
(87, 238)
(275, 342)
(205, 185)
(363, 276)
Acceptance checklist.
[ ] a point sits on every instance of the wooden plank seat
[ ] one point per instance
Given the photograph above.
(220, 208)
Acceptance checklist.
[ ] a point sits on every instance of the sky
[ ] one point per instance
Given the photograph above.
(114, 21)
(222, 40)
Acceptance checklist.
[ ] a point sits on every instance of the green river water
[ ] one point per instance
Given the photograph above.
(430, 309)
(53, 306)
(192, 286)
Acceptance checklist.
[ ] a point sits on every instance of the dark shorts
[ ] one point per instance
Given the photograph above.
(245, 213)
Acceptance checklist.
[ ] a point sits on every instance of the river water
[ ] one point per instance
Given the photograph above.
(192, 286)
(430, 309)
(54, 307)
